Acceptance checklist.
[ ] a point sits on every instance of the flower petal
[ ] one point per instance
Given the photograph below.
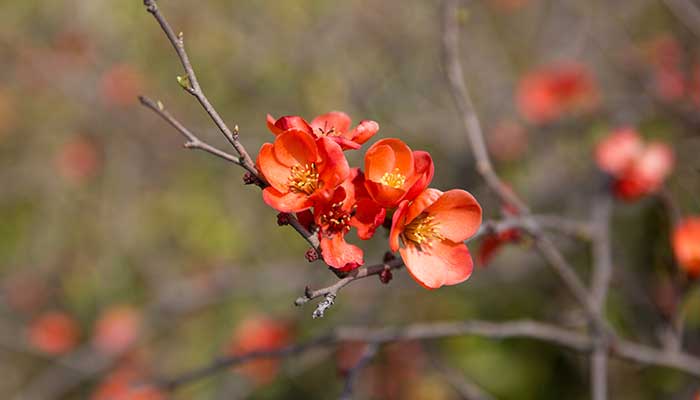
(276, 174)
(421, 202)
(340, 254)
(387, 156)
(286, 202)
(363, 132)
(293, 122)
(334, 168)
(617, 151)
(295, 147)
(398, 221)
(368, 217)
(423, 173)
(386, 196)
(336, 121)
(271, 125)
(443, 263)
(457, 214)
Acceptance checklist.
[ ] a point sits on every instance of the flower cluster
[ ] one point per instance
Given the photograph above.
(309, 175)
(686, 245)
(637, 168)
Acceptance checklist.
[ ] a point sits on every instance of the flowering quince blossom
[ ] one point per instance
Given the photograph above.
(686, 245)
(638, 168)
(433, 228)
(546, 94)
(300, 170)
(54, 333)
(260, 333)
(393, 172)
(334, 125)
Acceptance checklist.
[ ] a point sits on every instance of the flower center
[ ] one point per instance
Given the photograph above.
(393, 179)
(326, 131)
(303, 179)
(336, 219)
(422, 230)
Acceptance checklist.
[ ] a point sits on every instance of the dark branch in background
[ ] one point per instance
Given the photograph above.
(601, 276)
(573, 340)
(686, 12)
(354, 372)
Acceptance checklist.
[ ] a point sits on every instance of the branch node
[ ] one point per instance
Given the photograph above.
(385, 276)
(311, 255)
(327, 303)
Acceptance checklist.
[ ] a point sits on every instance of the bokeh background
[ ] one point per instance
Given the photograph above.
(105, 217)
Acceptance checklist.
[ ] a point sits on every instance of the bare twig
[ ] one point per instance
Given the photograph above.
(354, 372)
(686, 12)
(193, 142)
(191, 85)
(465, 388)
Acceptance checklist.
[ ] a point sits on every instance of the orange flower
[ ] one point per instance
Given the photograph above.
(492, 243)
(54, 333)
(393, 172)
(300, 170)
(78, 160)
(368, 215)
(334, 125)
(333, 218)
(260, 333)
(117, 328)
(547, 93)
(125, 383)
(686, 245)
(638, 168)
(120, 85)
(433, 228)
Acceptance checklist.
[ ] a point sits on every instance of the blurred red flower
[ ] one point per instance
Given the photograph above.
(126, 383)
(433, 228)
(121, 84)
(334, 125)
(393, 172)
(117, 329)
(507, 141)
(686, 245)
(260, 333)
(300, 170)
(638, 168)
(78, 160)
(54, 333)
(548, 93)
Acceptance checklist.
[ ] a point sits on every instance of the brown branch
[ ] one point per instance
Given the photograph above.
(465, 388)
(573, 340)
(191, 85)
(686, 12)
(475, 135)
(354, 372)
(193, 142)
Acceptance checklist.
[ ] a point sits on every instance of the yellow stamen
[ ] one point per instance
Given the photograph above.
(336, 219)
(393, 179)
(422, 231)
(303, 179)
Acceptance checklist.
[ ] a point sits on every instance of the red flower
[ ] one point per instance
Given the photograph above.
(368, 215)
(54, 333)
(393, 172)
(126, 383)
(260, 333)
(546, 94)
(334, 125)
(78, 160)
(333, 218)
(686, 245)
(300, 170)
(433, 228)
(117, 329)
(492, 243)
(638, 168)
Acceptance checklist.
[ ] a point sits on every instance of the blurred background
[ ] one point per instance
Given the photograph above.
(125, 257)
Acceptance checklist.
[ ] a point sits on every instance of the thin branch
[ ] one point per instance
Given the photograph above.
(573, 340)
(465, 388)
(354, 372)
(191, 85)
(686, 12)
(193, 142)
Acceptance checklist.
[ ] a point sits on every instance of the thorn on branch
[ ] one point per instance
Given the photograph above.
(327, 303)
(385, 276)
(311, 255)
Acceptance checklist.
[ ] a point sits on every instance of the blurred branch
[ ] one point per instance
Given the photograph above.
(354, 372)
(465, 388)
(191, 85)
(475, 135)
(686, 12)
(573, 340)
(601, 276)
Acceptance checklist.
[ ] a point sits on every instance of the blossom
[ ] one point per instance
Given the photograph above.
(637, 168)
(686, 245)
(126, 383)
(117, 328)
(300, 170)
(492, 243)
(78, 160)
(54, 333)
(333, 219)
(546, 94)
(393, 172)
(368, 215)
(433, 228)
(334, 125)
(260, 333)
